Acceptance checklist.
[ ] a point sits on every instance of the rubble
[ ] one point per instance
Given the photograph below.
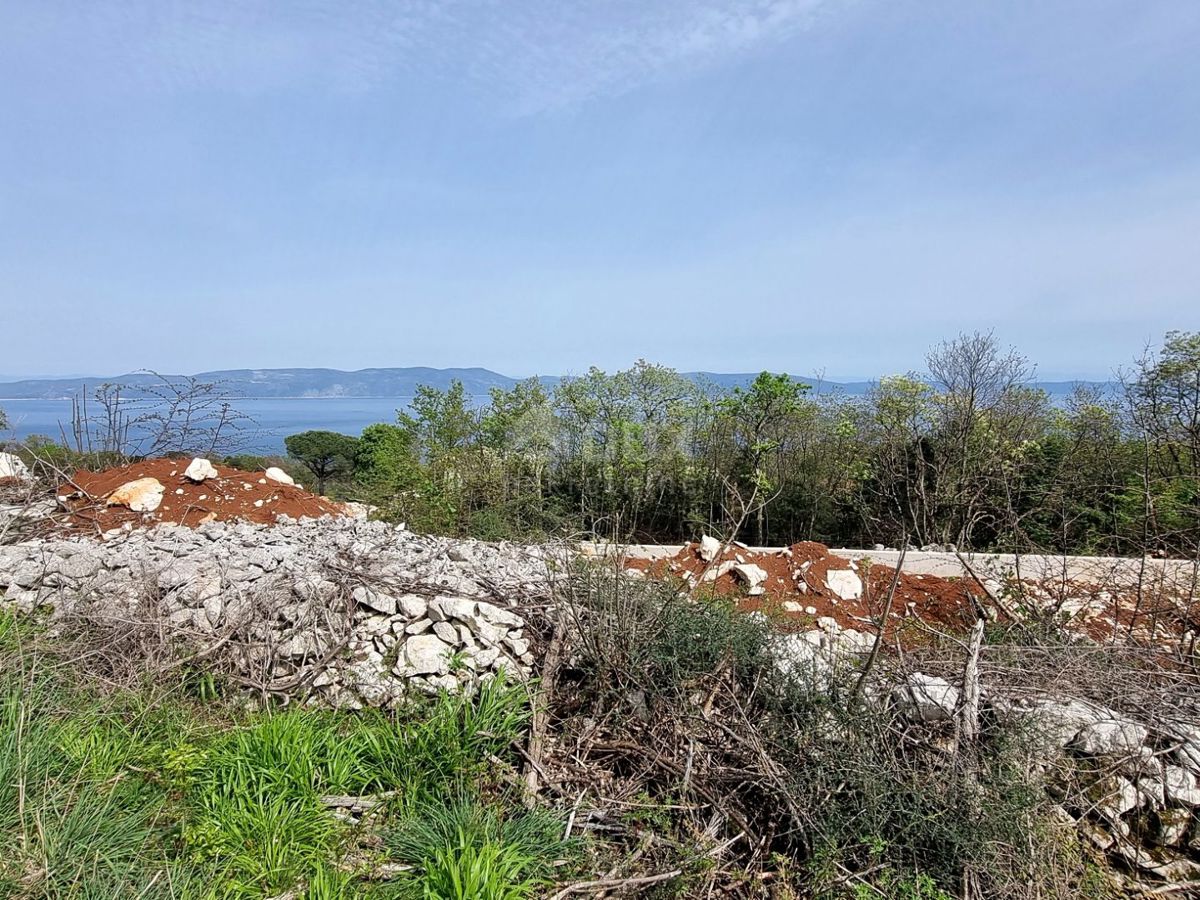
(400, 612)
(352, 613)
(807, 581)
(800, 584)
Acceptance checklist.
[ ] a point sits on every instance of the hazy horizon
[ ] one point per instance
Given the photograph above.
(826, 376)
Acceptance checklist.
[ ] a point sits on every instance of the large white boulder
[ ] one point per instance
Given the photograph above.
(928, 698)
(200, 469)
(12, 466)
(277, 474)
(709, 548)
(140, 495)
(1110, 737)
(751, 575)
(845, 583)
(427, 654)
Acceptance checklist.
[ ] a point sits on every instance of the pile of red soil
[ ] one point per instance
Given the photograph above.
(233, 495)
(797, 589)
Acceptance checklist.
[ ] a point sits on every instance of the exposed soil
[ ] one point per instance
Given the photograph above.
(797, 593)
(797, 590)
(233, 495)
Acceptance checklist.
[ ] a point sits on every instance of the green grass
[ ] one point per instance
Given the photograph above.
(465, 849)
(253, 796)
(76, 820)
(116, 795)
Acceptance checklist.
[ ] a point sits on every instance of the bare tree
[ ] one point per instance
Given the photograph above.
(167, 416)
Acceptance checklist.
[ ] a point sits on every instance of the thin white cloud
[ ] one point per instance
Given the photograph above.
(532, 55)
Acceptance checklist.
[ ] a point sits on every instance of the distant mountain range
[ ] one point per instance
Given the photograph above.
(382, 383)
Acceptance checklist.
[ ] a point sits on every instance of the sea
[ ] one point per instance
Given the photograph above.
(273, 419)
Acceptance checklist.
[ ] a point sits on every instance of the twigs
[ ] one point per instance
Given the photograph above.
(987, 592)
(881, 628)
(609, 884)
(541, 707)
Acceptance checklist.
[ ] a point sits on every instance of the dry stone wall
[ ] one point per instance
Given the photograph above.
(353, 612)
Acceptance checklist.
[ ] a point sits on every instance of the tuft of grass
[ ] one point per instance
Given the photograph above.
(463, 848)
(253, 796)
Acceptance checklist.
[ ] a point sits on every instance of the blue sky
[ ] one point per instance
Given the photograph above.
(540, 186)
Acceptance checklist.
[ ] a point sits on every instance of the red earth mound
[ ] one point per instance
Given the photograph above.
(233, 495)
(798, 591)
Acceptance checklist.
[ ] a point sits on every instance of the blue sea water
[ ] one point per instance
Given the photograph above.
(273, 418)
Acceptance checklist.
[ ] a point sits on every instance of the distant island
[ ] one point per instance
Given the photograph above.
(317, 384)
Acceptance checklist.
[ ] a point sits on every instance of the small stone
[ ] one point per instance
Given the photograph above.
(844, 583)
(277, 474)
(443, 607)
(427, 654)
(412, 605)
(519, 646)
(372, 599)
(446, 632)
(199, 469)
(140, 495)
(419, 627)
(485, 658)
(497, 616)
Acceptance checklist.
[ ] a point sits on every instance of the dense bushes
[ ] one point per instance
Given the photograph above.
(750, 776)
(969, 454)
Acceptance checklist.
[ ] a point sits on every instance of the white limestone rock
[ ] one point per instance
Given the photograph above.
(928, 698)
(1115, 736)
(199, 470)
(413, 606)
(12, 466)
(1180, 787)
(277, 474)
(140, 495)
(845, 583)
(427, 654)
(373, 599)
(750, 574)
